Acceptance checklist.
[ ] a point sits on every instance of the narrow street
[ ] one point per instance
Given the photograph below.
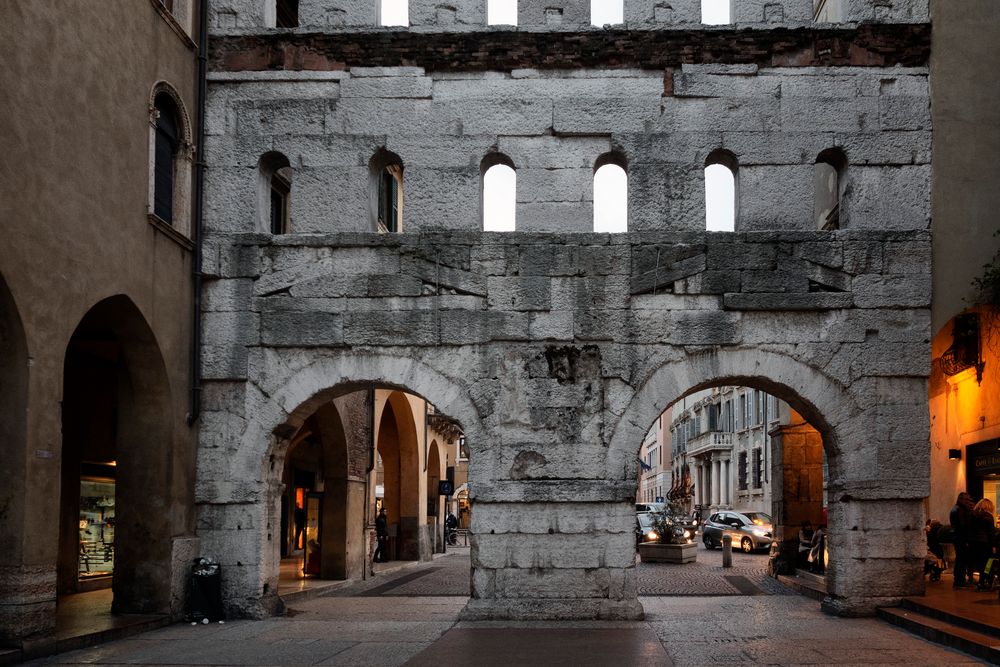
(696, 614)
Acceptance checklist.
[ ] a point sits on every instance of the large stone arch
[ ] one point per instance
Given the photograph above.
(16, 609)
(822, 401)
(142, 441)
(860, 578)
(237, 520)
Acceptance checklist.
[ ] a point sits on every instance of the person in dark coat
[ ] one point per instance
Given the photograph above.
(982, 531)
(382, 535)
(961, 518)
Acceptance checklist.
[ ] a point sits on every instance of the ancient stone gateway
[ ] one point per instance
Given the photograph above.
(555, 370)
(555, 347)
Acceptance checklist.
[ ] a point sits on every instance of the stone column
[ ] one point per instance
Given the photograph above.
(727, 486)
(699, 484)
(796, 488)
(716, 464)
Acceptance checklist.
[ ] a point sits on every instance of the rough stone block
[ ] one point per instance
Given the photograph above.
(904, 112)
(391, 328)
(553, 13)
(447, 15)
(519, 293)
(776, 197)
(895, 199)
(662, 13)
(772, 11)
(892, 291)
(336, 13)
(705, 328)
(788, 301)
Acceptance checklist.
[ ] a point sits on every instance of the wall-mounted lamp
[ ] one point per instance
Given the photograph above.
(954, 454)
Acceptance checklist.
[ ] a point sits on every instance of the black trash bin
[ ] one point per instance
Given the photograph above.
(205, 591)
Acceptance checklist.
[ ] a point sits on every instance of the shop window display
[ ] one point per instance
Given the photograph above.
(97, 528)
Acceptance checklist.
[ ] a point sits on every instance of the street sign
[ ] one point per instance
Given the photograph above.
(659, 499)
(446, 487)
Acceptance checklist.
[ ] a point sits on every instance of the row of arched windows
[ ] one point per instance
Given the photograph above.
(498, 194)
(285, 13)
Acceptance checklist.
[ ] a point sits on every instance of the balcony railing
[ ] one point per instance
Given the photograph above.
(709, 441)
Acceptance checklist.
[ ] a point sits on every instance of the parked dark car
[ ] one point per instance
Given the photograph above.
(750, 530)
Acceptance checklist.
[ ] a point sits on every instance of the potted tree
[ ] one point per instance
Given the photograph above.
(672, 543)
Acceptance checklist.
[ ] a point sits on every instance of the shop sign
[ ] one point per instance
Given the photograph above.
(985, 464)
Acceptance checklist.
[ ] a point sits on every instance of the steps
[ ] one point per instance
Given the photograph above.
(808, 584)
(951, 628)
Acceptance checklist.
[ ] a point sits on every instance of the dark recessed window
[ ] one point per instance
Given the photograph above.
(167, 143)
(287, 13)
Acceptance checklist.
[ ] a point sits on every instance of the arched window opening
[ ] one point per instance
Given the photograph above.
(716, 12)
(393, 13)
(275, 188)
(167, 143)
(610, 195)
(387, 190)
(607, 12)
(721, 201)
(499, 194)
(829, 182)
(286, 13)
(501, 12)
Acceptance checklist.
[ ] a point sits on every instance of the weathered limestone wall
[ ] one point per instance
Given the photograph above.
(557, 350)
(555, 125)
(556, 353)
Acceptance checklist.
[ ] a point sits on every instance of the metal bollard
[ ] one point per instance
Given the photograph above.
(727, 551)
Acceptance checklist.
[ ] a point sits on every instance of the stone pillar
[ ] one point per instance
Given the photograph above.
(699, 484)
(343, 545)
(716, 474)
(796, 488)
(727, 486)
(574, 557)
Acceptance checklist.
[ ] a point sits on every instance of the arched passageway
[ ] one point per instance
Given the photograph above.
(351, 451)
(845, 429)
(116, 509)
(737, 461)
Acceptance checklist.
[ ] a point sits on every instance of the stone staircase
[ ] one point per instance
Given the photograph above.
(952, 628)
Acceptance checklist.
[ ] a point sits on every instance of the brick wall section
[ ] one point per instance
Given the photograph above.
(867, 45)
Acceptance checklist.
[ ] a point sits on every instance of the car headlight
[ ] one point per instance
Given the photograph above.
(652, 535)
(759, 532)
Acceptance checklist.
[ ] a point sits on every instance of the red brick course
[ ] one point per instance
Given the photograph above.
(868, 45)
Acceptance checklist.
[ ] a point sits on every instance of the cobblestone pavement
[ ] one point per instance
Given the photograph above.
(706, 576)
(387, 621)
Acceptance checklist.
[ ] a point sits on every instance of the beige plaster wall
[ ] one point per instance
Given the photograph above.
(74, 133)
(966, 117)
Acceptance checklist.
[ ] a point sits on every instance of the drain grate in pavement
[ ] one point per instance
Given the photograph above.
(743, 585)
(395, 583)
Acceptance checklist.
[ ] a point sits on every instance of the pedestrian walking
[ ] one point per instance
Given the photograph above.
(382, 536)
(961, 518)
